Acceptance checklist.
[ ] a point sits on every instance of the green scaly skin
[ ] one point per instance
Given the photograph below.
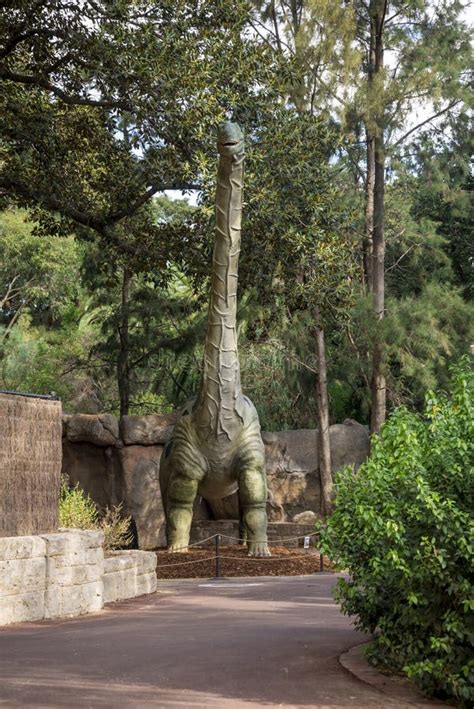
(217, 446)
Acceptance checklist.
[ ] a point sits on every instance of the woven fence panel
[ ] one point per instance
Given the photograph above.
(30, 465)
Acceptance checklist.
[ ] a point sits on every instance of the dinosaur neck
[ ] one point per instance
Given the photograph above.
(220, 399)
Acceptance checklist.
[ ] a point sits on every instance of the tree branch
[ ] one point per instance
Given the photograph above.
(42, 82)
(115, 217)
(427, 120)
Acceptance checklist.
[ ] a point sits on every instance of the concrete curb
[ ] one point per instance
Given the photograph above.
(393, 686)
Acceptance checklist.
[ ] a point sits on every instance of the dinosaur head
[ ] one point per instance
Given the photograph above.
(230, 139)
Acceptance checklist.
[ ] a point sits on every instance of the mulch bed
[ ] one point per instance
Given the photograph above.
(283, 562)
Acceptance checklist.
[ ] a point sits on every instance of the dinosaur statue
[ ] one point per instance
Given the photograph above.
(216, 446)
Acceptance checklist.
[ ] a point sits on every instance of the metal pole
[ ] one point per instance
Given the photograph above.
(321, 561)
(218, 558)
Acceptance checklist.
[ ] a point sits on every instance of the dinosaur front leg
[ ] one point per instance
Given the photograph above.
(182, 491)
(253, 498)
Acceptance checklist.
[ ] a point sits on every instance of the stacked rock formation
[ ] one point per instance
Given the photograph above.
(119, 462)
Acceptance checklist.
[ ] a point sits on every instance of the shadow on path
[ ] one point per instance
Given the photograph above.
(256, 642)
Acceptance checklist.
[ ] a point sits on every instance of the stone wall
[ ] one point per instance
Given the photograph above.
(119, 462)
(128, 574)
(63, 575)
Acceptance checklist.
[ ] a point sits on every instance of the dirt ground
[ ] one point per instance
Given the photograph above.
(201, 563)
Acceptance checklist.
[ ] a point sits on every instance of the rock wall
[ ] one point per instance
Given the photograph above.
(128, 574)
(119, 462)
(65, 575)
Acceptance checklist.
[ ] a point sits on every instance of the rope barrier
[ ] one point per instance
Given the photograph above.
(244, 541)
(272, 541)
(255, 558)
(195, 544)
(218, 556)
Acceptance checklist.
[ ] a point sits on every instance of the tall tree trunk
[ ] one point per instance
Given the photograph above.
(378, 386)
(324, 443)
(369, 210)
(123, 362)
(378, 10)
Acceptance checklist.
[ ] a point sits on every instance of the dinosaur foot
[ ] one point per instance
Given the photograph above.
(258, 549)
(177, 548)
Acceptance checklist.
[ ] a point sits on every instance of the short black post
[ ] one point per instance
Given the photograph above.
(218, 556)
(321, 561)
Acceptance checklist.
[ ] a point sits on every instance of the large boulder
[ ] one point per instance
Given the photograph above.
(292, 473)
(350, 444)
(307, 517)
(140, 467)
(96, 469)
(101, 430)
(147, 430)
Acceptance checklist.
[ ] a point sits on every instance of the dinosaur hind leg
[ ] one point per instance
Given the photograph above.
(253, 498)
(181, 493)
(242, 527)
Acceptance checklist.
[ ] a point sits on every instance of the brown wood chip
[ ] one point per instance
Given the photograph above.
(283, 562)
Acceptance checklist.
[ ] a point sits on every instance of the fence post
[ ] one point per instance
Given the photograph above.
(218, 557)
(321, 561)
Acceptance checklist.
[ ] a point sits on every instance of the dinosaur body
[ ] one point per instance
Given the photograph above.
(217, 446)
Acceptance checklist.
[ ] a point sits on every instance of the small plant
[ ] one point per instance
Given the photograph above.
(116, 528)
(78, 511)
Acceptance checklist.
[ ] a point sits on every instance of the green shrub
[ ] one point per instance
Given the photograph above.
(77, 510)
(403, 527)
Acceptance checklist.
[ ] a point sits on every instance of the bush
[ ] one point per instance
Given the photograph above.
(403, 527)
(77, 510)
(116, 528)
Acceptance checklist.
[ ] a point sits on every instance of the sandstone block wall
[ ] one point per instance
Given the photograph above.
(65, 575)
(22, 579)
(128, 574)
(74, 570)
(51, 575)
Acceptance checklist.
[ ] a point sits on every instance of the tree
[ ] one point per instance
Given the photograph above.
(106, 104)
(40, 308)
(36, 274)
(300, 40)
(428, 324)
(423, 67)
(293, 214)
(336, 58)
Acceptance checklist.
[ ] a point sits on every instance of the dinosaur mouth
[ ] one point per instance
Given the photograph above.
(230, 139)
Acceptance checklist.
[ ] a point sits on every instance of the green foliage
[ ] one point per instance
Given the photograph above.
(403, 528)
(78, 511)
(105, 104)
(123, 103)
(38, 274)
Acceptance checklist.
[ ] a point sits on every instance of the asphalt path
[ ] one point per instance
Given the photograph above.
(254, 642)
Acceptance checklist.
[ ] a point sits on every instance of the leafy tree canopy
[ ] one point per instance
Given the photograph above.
(105, 104)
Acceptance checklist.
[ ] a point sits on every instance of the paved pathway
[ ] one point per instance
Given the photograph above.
(242, 643)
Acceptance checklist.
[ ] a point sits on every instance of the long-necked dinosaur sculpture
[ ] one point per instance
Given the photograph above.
(217, 447)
